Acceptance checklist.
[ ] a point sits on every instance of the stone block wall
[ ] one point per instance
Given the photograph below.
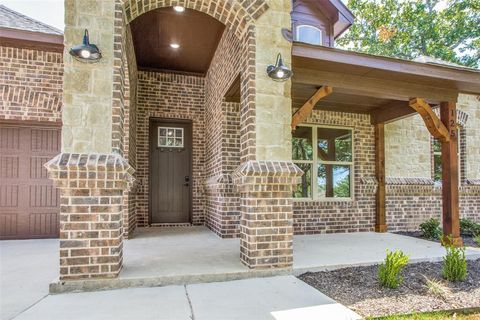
(31, 84)
(171, 96)
(358, 214)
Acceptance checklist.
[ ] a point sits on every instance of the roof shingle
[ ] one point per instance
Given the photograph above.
(15, 20)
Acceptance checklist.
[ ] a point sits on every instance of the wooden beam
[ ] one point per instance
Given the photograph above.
(433, 123)
(307, 108)
(380, 215)
(393, 89)
(450, 200)
(392, 111)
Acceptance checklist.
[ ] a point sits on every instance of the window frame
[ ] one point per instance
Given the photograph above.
(297, 33)
(439, 153)
(159, 128)
(315, 162)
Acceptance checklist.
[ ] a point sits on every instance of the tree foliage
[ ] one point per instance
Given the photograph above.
(443, 29)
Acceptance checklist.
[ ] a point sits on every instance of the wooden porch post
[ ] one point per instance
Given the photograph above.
(451, 212)
(380, 216)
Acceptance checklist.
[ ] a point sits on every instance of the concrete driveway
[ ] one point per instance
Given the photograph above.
(26, 269)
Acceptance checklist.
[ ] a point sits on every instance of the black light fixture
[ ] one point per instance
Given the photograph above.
(86, 52)
(279, 72)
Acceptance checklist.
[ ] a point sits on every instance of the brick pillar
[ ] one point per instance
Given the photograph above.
(266, 230)
(91, 194)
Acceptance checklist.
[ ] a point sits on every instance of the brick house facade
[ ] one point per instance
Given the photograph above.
(31, 87)
(243, 168)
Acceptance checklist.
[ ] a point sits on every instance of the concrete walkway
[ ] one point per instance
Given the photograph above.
(26, 269)
(275, 298)
(193, 255)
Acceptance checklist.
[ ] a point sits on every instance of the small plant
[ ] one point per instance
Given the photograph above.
(389, 271)
(431, 229)
(469, 227)
(436, 288)
(477, 240)
(454, 262)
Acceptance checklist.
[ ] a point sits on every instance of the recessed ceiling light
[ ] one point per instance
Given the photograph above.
(174, 45)
(179, 8)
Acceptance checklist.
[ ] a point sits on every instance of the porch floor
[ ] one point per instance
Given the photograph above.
(165, 256)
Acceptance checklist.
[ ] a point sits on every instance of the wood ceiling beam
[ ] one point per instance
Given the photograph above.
(307, 108)
(390, 112)
(394, 89)
(433, 123)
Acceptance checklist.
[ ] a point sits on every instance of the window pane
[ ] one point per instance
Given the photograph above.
(437, 167)
(304, 189)
(333, 181)
(437, 146)
(309, 34)
(302, 144)
(334, 144)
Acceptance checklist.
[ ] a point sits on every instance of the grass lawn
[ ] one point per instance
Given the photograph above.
(432, 316)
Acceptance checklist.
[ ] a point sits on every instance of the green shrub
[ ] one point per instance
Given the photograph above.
(469, 227)
(477, 240)
(389, 271)
(431, 229)
(454, 263)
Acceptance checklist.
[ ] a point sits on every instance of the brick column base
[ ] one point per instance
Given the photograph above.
(266, 227)
(91, 195)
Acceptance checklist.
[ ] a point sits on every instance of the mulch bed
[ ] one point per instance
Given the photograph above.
(467, 240)
(358, 289)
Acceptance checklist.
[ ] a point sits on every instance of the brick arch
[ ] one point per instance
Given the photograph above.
(235, 14)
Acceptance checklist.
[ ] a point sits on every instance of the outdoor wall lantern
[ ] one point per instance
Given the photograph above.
(279, 72)
(86, 52)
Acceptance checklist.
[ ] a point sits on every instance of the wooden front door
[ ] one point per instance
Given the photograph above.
(170, 172)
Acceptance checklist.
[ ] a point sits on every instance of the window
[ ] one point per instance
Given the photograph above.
(437, 158)
(170, 137)
(325, 154)
(309, 34)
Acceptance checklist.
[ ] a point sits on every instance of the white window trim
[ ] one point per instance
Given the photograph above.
(297, 33)
(314, 162)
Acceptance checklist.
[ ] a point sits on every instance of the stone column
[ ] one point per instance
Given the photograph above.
(273, 104)
(91, 195)
(266, 230)
(90, 172)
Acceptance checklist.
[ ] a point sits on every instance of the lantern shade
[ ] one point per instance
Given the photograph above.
(86, 52)
(279, 72)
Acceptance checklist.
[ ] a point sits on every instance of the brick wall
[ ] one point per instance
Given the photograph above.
(130, 126)
(222, 129)
(411, 202)
(30, 84)
(343, 215)
(91, 194)
(172, 96)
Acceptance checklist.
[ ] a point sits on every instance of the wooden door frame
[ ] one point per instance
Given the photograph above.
(151, 122)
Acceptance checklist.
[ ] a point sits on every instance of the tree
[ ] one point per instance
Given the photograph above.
(443, 29)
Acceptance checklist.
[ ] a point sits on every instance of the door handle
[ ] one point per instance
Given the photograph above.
(187, 181)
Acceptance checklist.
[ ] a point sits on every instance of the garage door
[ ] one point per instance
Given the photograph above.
(29, 203)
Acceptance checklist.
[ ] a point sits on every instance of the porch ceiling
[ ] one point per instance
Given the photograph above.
(374, 85)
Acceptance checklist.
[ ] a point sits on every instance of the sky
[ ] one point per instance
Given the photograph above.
(51, 12)
(46, 11)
